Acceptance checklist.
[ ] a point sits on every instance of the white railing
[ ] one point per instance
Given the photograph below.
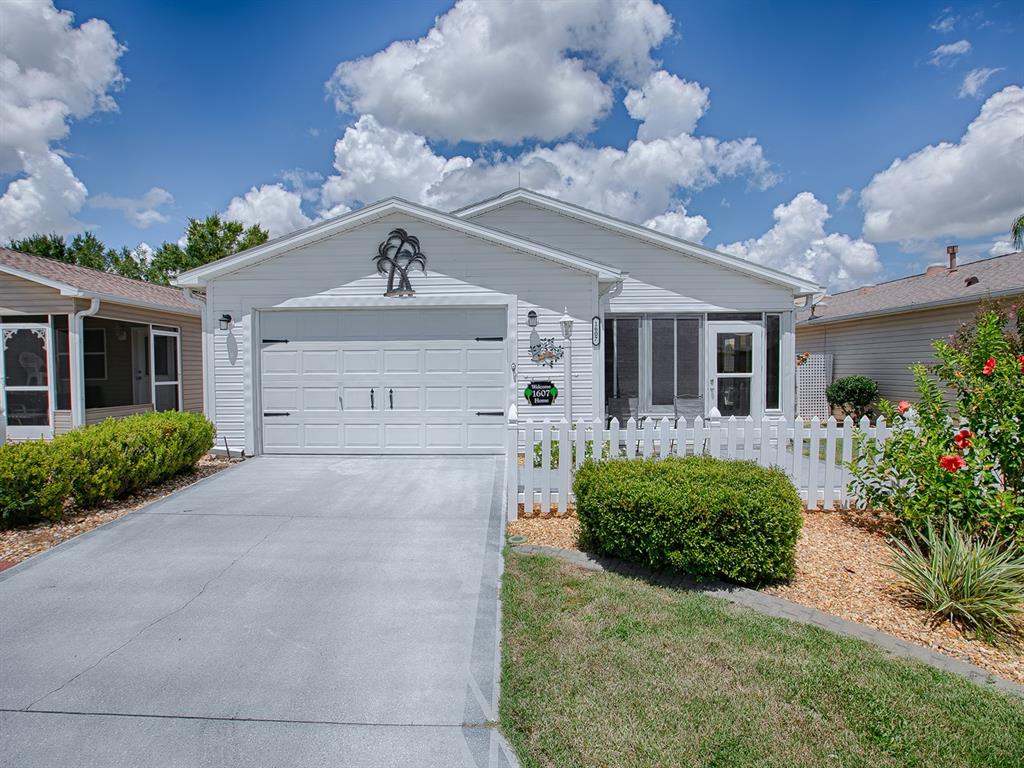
(814, 454)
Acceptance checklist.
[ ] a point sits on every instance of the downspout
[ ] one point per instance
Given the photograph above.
(76, 358)
(196, 301)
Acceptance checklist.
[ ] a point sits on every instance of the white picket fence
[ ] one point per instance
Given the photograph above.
(813, 454)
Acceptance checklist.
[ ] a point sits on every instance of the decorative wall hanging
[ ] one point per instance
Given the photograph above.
(540, 393)
(546, 352)
(396, 256)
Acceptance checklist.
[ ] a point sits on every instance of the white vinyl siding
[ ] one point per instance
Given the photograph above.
(341, 267)
(660, 280)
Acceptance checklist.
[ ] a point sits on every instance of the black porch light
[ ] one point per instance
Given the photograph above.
(224, 321)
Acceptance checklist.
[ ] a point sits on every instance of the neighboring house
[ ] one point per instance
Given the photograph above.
(306, 353)
(79, 345)
(881, 330)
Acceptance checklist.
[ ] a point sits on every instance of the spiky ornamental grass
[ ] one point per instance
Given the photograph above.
(976, 583)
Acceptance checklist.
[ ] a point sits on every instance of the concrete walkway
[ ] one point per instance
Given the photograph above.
(286, 612)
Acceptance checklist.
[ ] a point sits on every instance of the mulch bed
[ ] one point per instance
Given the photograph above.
(841, 569)
(18, 544)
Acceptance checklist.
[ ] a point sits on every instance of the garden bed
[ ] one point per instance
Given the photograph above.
(840, 569)
(17, 544)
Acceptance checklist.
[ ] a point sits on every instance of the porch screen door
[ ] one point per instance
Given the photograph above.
(736, 365)
(26, 380)
(166, 371)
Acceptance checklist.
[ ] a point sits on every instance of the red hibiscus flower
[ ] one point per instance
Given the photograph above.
(989, 367)
(963, 439)
(1020, 359)
(903, 406)
(952, 463)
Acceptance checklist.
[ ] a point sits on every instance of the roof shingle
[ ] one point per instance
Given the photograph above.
(96, 281)
(1000, 275)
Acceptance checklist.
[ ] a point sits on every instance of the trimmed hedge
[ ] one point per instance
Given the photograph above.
(95, 464)
(700, 515)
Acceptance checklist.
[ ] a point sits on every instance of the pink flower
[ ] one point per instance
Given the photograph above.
(952, 462)
(903, 406)
(989, 367)
(963, 439)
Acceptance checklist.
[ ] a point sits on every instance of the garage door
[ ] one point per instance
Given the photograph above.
(383, 381)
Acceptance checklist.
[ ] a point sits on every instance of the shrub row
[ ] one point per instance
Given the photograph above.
(94, 464)
(700, 515)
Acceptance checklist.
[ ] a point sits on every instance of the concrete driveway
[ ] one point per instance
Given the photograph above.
(336, 611)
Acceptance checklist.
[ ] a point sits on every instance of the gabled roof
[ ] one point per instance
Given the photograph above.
(330, 227)
(939, 286)
(82, 282)
(800, 286)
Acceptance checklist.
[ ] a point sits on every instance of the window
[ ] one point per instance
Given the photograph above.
(653, 365)
(95, 353)
(773, 360)
(63, 360)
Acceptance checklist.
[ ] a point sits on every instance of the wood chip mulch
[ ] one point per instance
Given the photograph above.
(841, 569)
(18, 544)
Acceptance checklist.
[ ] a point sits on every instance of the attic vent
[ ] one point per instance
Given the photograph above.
(972, 280)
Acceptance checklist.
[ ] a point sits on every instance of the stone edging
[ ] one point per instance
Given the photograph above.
(781, 608)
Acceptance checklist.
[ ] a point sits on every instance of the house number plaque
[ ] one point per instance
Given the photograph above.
(541, 393)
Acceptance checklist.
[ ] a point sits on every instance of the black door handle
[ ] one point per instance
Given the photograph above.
(371, 398)
(391, 398)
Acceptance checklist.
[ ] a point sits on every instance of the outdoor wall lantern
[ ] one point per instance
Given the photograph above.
(224, 321)
(566, 323)
(531, 319)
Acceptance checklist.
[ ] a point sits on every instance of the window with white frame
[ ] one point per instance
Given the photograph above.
(94, 349)
(772, 362)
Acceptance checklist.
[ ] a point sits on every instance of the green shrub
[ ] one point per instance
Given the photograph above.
(963, 460)
(32, 485)
(853, 394)
(700, 515)
(95, 464)
(975, 583)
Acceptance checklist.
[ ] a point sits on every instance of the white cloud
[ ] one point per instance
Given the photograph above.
(1000, 247)
(798, 244)
(141, 212)
(637, 183)
(678, 224)
(506, 71)
(144, 253)
(273, 207)
(304, 183)
(975, 80)
(51, 72)
(966, 189)
(948, 53)
(666, 105)
(45, 200)
(844, 197)
(945, 22)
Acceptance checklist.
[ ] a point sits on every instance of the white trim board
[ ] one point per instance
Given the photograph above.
(799, 286)
(325, 229)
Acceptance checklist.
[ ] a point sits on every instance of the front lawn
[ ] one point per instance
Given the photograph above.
(602, 670)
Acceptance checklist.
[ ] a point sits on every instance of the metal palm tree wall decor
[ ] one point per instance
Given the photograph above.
(396, 256)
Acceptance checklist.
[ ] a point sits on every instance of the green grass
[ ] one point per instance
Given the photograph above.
(601, 670)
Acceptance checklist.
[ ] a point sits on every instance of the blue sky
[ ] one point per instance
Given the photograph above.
(217, 99)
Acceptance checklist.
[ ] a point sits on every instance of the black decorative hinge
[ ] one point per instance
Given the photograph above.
(276, 413)
(490, 338)
(275, 341)
(490, 413)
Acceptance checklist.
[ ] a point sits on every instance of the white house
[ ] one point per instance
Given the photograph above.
(306, 350)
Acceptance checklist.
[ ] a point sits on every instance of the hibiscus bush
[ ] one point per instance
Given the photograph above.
(958, 457)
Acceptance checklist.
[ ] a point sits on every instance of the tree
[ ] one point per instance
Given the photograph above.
(206, 240)
(1017, 233)
(50, 246)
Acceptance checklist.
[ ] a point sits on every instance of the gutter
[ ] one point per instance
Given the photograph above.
(76, 358)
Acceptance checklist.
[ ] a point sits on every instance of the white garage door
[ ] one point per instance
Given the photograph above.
(383, 381)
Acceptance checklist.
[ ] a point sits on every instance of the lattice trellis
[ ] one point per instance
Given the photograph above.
(812, 378)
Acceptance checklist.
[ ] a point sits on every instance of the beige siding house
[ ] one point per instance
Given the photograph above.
(80, 345)
(882, 330)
